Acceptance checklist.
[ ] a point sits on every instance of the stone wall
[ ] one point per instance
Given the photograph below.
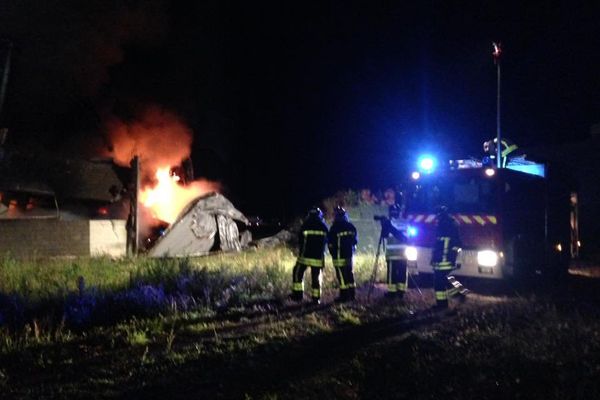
(54, 237)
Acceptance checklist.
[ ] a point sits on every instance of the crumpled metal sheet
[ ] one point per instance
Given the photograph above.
(203, 225)
(195, 230)
(229, 234)
(217, 204)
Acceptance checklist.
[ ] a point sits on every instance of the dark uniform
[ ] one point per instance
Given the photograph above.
(342, 240)
(394, 232)
(443, 259)
(313, 241)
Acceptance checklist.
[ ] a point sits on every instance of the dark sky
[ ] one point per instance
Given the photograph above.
(291, 102)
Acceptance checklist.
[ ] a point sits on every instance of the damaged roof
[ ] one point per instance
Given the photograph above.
(66, 178)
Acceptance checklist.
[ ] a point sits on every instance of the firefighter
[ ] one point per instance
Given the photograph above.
(443, 259)
(342, 240)
(313, 241)
(508, 151)
(394, 233)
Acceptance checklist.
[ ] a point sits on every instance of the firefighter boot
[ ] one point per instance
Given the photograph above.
(296, 296)
(343, 296)
(315, 301)
(441, 305)
(351, 294)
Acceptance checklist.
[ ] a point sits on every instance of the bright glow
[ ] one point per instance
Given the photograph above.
(167, 197)
(415, 175)
(578, 243)
(161, 141)
(411, 253)
(426, 163)
(490, 171)
(487, 258)
(559, 247)
(411, 231)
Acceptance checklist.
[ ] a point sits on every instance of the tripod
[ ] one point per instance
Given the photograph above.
(376, 265)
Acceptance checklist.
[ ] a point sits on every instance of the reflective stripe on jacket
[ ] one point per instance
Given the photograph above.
(444, 253)
(342, 239)
(313, 240)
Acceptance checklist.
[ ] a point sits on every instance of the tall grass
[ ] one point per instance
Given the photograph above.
(39, 279)
(130, 323)
(267, 269)
(83, 292)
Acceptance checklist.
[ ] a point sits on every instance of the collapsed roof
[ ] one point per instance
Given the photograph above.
(206, 223)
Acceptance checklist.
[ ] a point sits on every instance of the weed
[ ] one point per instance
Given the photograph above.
(170, 340)
(138, 338)
(346, 316)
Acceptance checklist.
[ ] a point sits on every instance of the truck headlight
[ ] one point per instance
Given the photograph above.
(487, 258)
(411, 253)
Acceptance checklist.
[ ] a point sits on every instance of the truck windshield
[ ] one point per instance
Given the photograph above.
(461, 194)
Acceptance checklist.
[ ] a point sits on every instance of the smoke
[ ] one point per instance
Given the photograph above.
(157, 136)
(64, 50)
(162, 141)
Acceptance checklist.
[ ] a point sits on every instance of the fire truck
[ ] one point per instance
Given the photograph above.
(513, 222)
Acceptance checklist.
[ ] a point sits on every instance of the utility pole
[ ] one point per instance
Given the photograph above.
(5, 71)
(497, 53)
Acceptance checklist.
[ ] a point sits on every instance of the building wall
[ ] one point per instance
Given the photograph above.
(53, 237)
(108, 238)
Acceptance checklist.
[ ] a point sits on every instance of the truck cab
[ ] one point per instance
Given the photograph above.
(513, 222)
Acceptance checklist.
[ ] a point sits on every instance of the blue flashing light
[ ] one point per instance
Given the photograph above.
(426, 163)
(411, 231)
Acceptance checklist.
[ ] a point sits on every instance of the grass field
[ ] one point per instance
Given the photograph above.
(220, 327)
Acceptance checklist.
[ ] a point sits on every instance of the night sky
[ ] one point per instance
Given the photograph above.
(292, 102)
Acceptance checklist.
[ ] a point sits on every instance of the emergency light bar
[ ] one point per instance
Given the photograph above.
(427, 164)
(521, 165)
(465, 164)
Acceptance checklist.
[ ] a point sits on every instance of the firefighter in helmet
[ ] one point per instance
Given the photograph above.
(342, 240)
(313, 241)
(443, 259)
(508, 151)
(394, 233)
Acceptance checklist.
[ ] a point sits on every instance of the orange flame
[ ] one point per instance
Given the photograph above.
(157, 136)
(162, 141)
(168, 197)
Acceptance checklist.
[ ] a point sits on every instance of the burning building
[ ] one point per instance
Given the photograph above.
(54, 207)
(51, 207)
(198, 219)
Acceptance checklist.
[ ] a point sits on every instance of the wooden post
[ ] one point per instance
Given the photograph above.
(133, 221)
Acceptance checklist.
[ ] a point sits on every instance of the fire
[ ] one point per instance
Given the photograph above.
(162, 141)
(168, 196)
